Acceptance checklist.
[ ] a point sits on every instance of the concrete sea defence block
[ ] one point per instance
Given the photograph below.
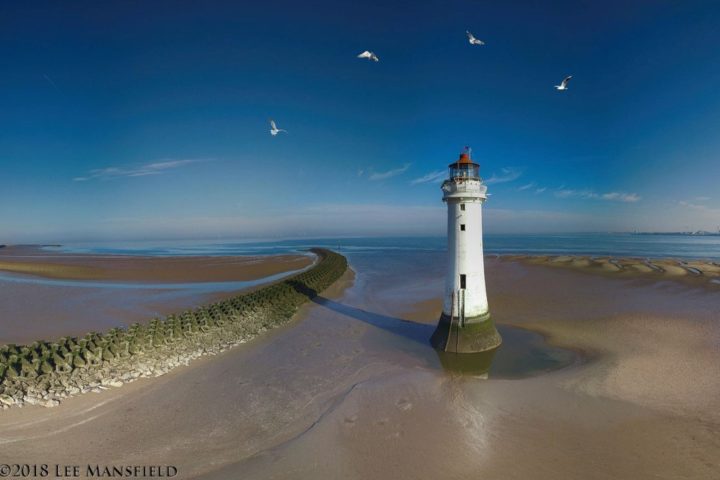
(42, 373)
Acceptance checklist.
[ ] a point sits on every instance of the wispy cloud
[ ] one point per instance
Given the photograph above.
(703, 217)
(527, 186)
(699, 204)
(389, 174)
(570, 193)
(532, 186)
(155, 168)
(620, 197)
(430, 177)
(51, 82)
(506, 175)
(694, 206)
(591, 195)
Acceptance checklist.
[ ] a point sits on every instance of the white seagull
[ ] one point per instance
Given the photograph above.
(564, 84)
(274, 130)
(472, 40)
(369, 55)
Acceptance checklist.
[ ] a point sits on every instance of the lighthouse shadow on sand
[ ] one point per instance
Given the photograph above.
(522, 354)
(469, 364)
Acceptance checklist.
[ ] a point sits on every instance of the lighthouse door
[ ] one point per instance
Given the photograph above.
(462, 282)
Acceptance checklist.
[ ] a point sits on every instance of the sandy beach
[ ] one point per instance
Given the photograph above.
(694, 272)
(351, 389)
(35, 261)
(47, 295)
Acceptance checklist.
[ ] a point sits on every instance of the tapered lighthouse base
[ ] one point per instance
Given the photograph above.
(478, 334)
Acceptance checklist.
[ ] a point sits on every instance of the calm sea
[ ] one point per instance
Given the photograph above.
(618, 245)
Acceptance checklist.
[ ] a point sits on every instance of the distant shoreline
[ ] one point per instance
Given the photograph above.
(32, 260)
(643, 245)
(683, 234)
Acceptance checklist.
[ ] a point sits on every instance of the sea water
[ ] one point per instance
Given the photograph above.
(611, 244)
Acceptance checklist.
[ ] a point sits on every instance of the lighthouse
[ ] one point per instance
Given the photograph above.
(465, 325)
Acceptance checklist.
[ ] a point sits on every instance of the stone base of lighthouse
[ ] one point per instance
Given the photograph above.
(478, 334)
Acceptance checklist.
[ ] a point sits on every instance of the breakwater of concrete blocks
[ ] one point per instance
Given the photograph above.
(43, 373)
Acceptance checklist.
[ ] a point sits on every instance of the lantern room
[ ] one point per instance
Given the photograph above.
(464, 168)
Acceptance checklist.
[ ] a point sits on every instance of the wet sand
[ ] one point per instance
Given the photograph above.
(697, 272)
(46, 295)
(351, 390)
(35, 261)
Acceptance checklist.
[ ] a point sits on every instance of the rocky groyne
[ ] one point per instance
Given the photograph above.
(43, 373)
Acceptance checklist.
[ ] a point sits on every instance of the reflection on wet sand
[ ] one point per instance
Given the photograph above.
(474, 364)
(523, 353)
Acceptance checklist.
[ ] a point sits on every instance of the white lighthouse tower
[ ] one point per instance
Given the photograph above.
(465, 325)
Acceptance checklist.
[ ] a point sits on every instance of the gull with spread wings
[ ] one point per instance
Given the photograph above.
(273, 128)
(564, 84)
(472, 40)
(369, 55)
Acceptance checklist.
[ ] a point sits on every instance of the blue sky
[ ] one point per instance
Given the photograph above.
(148, 120)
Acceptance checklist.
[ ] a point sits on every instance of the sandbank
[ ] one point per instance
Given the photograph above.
(35, 261)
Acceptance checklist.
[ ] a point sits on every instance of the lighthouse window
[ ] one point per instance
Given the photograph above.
(462, 281)
(462, 227)
(462, 207)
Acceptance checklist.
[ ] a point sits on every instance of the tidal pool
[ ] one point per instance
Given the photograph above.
(523, 353)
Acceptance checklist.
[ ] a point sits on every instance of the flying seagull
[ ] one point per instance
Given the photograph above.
(274, 130)
(472, 40)
(564, 84)
(369, 55)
